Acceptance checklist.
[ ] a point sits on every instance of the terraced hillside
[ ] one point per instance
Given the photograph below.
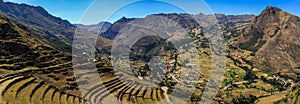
(35, 72)
(244, 82)
(32, 71)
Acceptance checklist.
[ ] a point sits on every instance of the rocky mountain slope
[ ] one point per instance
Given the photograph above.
(274, 38)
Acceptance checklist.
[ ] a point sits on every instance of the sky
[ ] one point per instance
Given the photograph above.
(95, 11)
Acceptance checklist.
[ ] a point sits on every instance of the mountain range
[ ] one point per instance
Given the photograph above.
(185, 20)
(36, 64)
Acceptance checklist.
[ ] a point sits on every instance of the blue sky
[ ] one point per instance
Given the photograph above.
(94, 11)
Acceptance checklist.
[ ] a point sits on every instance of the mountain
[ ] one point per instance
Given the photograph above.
(94, 28)
(187, 21)
(113, 30)
(274, 38)
(53, 30)
(250, 76)
(262, 61)
(31, 69)
(36, 16)
(222, 18)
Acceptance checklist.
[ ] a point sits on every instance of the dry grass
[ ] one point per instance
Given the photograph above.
(248, 92)
(273, 98)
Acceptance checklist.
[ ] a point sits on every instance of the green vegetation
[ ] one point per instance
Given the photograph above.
(60, 45)
(255, 35)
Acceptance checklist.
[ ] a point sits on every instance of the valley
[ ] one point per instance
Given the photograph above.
(36, 66)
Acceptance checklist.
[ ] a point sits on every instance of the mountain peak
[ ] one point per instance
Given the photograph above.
(124, 19)
(265, 26)
(272, 16)
(271, 10)
(273, 37)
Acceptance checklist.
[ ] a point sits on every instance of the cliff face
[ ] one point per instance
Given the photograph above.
(274, 37)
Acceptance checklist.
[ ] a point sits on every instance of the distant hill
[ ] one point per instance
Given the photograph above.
(185, 20)
(95, 28)
(113, 30)
(222, 18)
(274, 38)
